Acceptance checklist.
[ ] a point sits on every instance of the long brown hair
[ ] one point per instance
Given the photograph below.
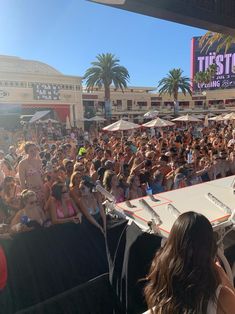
(182, 278)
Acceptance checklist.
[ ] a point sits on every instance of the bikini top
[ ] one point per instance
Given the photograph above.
(93, 211)
(60, 212)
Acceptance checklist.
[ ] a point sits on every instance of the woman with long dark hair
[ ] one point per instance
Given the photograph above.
(184, 277)
(90, 205)
(61, 207)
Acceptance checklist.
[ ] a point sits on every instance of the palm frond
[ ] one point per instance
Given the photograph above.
(173, 82)
(104, 71)
(223, 41)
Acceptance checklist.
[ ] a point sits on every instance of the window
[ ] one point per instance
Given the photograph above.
(184, 104)
(168, 103)
(88, 103)
(129, 105)
(155, 104)
(198, 103)
(142, 104)
(119, 105)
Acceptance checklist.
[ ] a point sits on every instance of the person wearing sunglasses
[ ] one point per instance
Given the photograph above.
(30, 216)
(61, 207)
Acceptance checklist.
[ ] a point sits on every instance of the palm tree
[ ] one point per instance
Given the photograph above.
(172, 83)
(211, 70)
(199, 79)
(104, 72)
(211, 38)
(205, 77)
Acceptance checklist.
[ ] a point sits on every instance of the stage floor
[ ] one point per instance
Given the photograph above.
(193, 198)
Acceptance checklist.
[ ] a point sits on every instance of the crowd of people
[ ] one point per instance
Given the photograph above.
(48, 181)
(54, 181)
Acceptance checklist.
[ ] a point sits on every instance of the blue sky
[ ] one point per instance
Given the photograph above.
(69, 34)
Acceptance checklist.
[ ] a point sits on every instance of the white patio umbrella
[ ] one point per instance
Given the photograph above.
(168, 117)
(230, 116)
(217, 118)
(210, 115)
(151, 114)
(158, 123)
(97, 119)
(199, 116)
(121, 125)
(187, 118)
(68, 124)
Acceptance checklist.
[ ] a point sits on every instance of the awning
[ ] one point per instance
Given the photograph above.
(192, 13)
(38, 115)
(62, 111)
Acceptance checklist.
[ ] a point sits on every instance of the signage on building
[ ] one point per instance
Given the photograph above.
(202, 59)
(46, 91)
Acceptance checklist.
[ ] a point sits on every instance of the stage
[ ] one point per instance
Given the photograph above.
(213, 199)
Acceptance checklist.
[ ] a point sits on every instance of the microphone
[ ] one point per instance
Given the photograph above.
(104, 192)
(151, 211)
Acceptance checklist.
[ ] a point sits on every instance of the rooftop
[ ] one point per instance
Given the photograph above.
(13, 64)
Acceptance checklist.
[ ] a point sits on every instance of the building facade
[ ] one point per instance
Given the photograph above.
(134, 102)
(27, 86)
